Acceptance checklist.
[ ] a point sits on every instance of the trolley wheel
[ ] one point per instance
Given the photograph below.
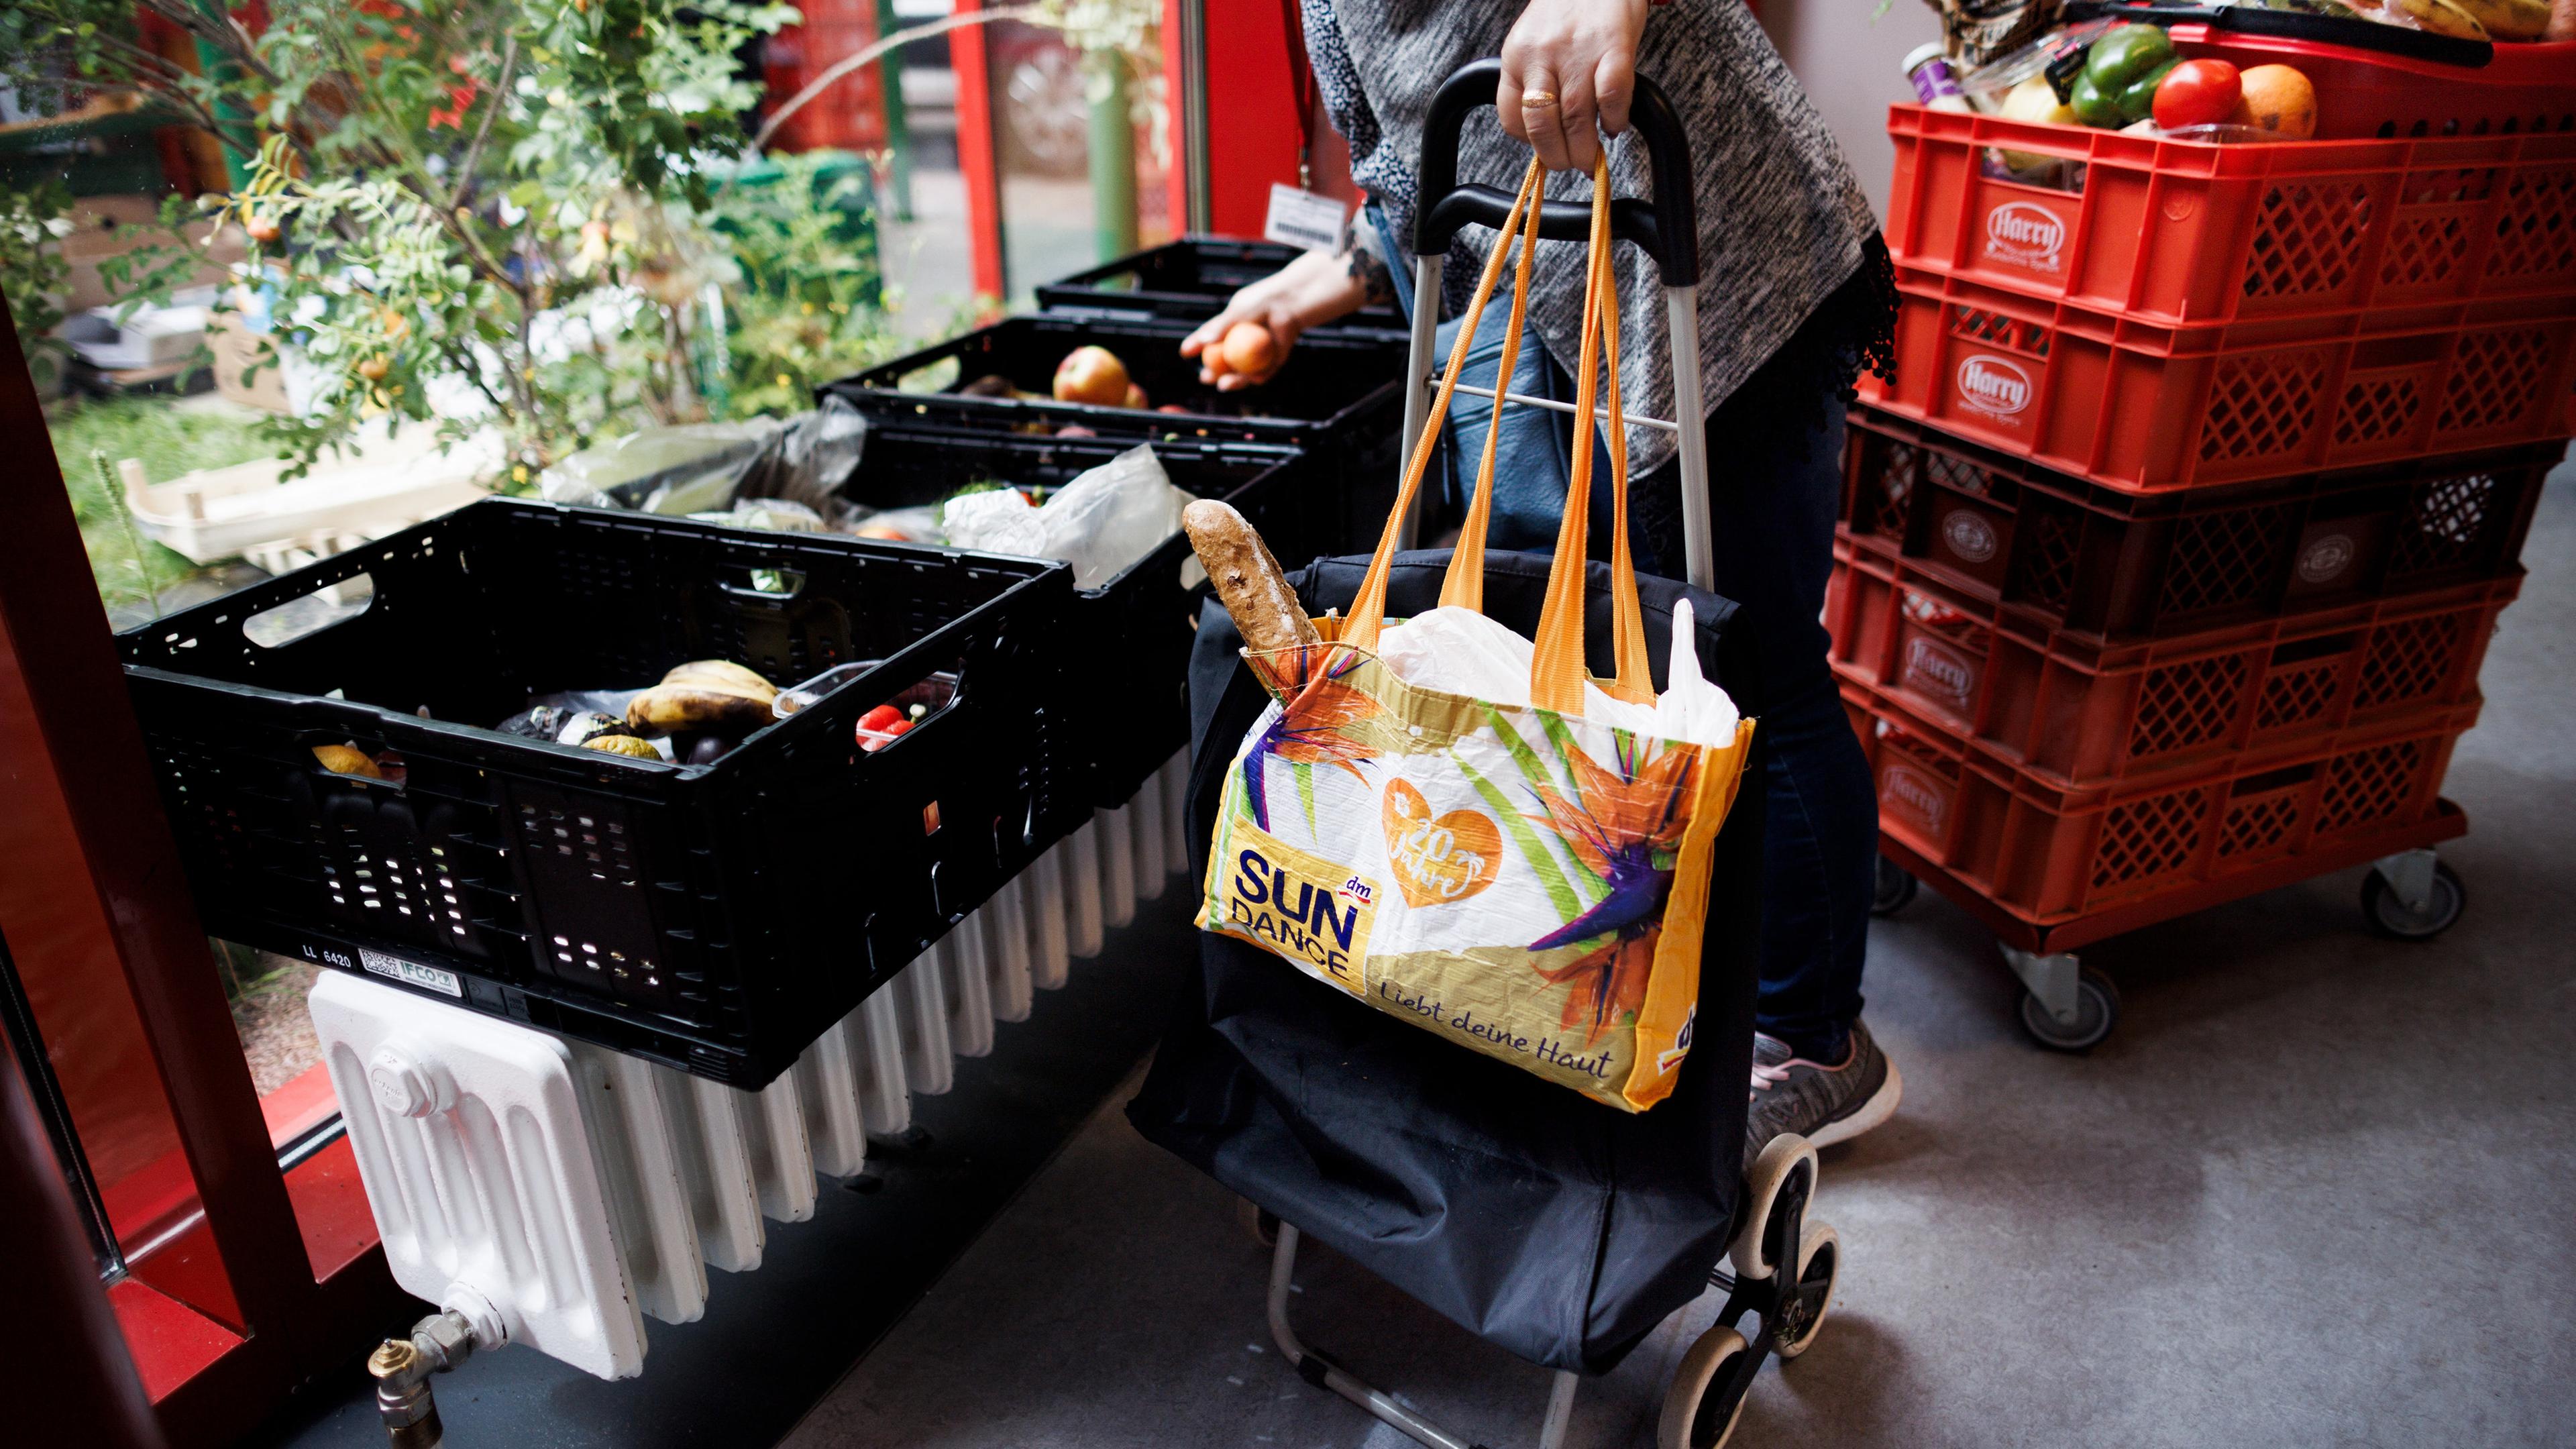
(1782, 1159)
(1894, 889)
(1259, 1221)
(2389, 916)
(2097, 1010)
(1701, 1407)
(1820, 1260)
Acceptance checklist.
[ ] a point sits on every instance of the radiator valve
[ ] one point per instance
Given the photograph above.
(402, 1367)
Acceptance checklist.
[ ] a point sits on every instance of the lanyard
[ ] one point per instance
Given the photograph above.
(1301, 85)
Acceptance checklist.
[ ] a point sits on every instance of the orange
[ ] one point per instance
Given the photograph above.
(2278, 99)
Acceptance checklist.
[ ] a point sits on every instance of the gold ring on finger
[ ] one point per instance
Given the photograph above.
(1537, 100)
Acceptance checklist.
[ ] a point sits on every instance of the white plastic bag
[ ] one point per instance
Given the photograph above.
(1459, 651)
(998, 520)
(1101, 522)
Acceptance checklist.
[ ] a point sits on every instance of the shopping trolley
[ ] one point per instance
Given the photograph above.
(1551, 1226)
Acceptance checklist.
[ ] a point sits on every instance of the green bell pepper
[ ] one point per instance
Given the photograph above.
(2121, 73)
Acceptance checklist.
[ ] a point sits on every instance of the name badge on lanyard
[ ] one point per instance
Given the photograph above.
(1304, 219)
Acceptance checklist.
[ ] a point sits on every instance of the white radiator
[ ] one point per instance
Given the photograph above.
(558, 1194)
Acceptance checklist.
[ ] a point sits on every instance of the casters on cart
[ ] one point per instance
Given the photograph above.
(1894, 889)
(1784, 1269)
(1780, 1268)
(2070, 1006)
(1707, 1396)
(2412, 896)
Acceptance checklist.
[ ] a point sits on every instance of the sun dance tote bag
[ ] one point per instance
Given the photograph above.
(1463, 829)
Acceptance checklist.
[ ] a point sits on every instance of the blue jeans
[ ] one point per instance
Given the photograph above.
(1774, 530)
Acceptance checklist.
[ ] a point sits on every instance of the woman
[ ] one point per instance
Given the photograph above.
(1795, 294)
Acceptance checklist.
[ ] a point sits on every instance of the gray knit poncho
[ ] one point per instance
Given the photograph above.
(1781, 221)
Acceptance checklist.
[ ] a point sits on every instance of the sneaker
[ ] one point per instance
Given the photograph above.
(1824, 1104)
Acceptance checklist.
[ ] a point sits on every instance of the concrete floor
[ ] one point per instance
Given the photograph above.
(2315, 1191)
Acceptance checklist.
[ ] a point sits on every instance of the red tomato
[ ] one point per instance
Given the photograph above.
(899, 727)
(2197, 93)
(879, 719)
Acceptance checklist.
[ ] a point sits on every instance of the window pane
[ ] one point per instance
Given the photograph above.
(267, 992)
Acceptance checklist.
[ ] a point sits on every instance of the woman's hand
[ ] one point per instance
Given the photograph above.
(1308, 292)
(1568, 64)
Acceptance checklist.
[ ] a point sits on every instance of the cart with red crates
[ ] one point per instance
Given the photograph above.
(2171, 550)
(2088, 710)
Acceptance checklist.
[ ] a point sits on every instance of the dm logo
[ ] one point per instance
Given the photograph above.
(1939, 672)
(1994, 386)
(1910, 792)
(1969, 535)
(1671, 1056)
(2025, 235)
(2324, 559)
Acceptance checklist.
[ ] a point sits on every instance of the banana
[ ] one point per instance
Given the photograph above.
(674, 708)
(2440, 17)
(721, 674)
(622, 745)
(2509, 19)
(342, 760)
(714, 695)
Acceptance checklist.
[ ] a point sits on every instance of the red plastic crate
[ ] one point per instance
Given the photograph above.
(2142, 407)
(2080, 711)
(2180, 232)
(2054, 552)
(2047, 855)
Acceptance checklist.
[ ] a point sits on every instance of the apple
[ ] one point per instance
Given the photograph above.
(1092, 375)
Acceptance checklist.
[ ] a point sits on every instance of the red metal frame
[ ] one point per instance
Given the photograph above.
(224, 1310)
(971, 61)
(68, 1379)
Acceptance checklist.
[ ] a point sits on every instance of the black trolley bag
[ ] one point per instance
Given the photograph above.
(1550, 1225)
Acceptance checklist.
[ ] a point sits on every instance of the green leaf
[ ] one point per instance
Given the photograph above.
(1542, 864)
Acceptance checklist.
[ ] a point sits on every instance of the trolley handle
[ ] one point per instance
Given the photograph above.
(1667, 229)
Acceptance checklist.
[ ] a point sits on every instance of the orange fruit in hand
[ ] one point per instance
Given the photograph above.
(1249, 348)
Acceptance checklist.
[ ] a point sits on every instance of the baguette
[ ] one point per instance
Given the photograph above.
(1248, 580)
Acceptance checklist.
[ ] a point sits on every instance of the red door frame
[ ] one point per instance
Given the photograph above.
(227, 1312)
(978, 164)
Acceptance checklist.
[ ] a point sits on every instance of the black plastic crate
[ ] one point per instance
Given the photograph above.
(1339, 397)
(2059, 553)
(1124, 670)
(714, 917)
(1188, 281)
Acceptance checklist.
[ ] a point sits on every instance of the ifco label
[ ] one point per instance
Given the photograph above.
(412, 973)
(1995, 386)
(1968, 535)
(1908, 791)
(2025, 235)
(2324, 559)
(1939, 673)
